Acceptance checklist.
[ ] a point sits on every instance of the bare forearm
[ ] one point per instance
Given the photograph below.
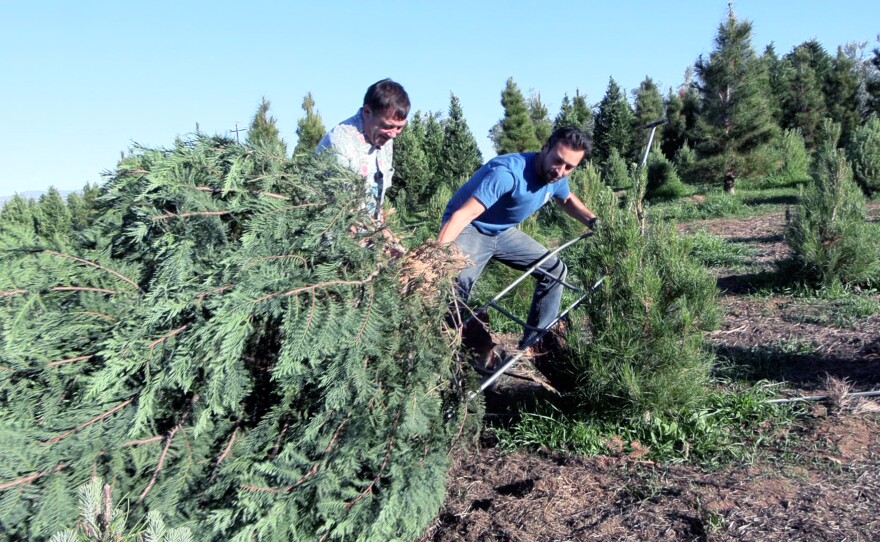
(575, 208)
(466, 214)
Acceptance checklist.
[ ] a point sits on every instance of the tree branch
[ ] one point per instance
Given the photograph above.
(88, 423)
(225, 452)
(93, 264)
(168, 438)
(68, 360)
(82, 289)
(168, 336)
(30, 477)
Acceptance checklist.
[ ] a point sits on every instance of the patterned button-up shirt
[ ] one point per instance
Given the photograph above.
(347, 140)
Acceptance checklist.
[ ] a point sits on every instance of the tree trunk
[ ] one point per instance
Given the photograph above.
(729, 180)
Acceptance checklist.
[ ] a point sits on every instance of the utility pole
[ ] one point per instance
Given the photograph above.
(236, 132)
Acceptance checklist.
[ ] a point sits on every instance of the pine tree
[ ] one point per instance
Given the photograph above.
(540, 118)
(872, 85)
(827, 233)
(841, 91)
(517, 131)
(18, 211)
(433, 143)
(222, 348)
(413, 177)
(803, 104)
(575, 113)
(460, 155)
(52, 216)
(643, 353)
(309, 129)
(648, 107)
(263, 131)
(777, 75)
(613, 128)
(863, 152)
(736, 115)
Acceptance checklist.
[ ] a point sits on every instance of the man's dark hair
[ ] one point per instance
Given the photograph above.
(387, 96)
(572, 137)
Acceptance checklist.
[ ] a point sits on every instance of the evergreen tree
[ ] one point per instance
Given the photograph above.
(433, 143)
(517, 131)
(827, 232)
(872, 85)
(309, 129)
(413, 179)
(82, 207)
(842, 95)
(263, 131)
(648, 107)
(736, 115)
(643, 355)
(777, 74)
(575, 113)
(672, 135)
(613, 129)
(460, 156)
(52, 217)
(540, 118)
(229, 354)
(18, 212)
(803, 104)
(863, 152)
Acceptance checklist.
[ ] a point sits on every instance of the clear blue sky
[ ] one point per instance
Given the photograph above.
(83, 80)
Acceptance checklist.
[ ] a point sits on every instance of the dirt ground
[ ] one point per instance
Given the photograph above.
(825, 485)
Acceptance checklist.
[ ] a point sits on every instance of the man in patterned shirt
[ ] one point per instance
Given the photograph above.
(364, 142)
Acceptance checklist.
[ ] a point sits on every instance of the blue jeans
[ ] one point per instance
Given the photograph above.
(514, 248)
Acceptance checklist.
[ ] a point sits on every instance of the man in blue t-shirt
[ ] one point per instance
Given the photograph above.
(482, 215)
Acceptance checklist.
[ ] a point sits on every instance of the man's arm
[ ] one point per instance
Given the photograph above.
(465, 214)
(574, 207)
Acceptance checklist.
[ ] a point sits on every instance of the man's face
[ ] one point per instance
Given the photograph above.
(380, 127)
(558, 161)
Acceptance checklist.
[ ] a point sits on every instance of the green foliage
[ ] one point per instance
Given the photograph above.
(714, 251)
(413, 178)
(516, 132)
(101, 520)
(663, 179)
(309, 129)
(460, 155)
(575, 112)
(803, 104)
(540, 118)
(263, 131)
(613, 128)
(52, 217)
(736, 115)
(787, 159)
(615, 172)
(728, 426)
(831, 242)
(643, 350)
(221, 347)
(647, 107)
(863, 153)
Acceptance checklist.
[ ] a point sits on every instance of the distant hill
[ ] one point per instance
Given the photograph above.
(35, 194)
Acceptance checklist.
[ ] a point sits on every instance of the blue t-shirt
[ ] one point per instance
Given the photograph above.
(509, 187)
